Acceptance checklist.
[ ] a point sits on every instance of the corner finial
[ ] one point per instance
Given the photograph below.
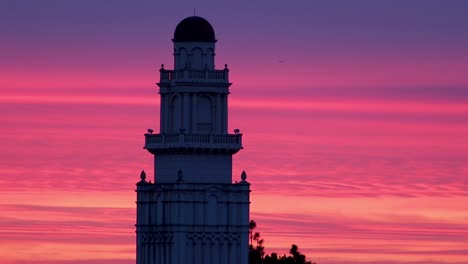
(143, 178)
(225, 66)
(162, 66)
(243, 176)
(180, 176)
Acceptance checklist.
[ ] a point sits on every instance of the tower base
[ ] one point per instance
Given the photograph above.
(192, 223)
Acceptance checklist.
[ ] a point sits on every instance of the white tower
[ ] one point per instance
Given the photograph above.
(193, 213)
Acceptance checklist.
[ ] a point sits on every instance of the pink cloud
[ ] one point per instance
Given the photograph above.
(387, 177)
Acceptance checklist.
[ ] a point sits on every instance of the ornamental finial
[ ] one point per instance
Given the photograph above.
(143, 175)
(243, 176)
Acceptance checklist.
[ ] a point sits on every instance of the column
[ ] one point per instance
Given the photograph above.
(166, 113)
(225, 112)
(162, 121)
(160, 258)
(224, 252)
(197, 254)
(146, 252)
(186, 111)
(178, 250)
(244, 244)
(151, 252)
(219, 122)
(190, 246)
(215, 251)
(207, 251)
(232, 252)
(194, 113)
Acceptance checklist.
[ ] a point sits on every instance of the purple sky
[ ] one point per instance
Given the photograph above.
(353, 114)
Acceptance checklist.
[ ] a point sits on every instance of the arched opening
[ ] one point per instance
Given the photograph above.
(210, 58)
(183, 61)
(175, 114)
(197, 59)
(204, 115)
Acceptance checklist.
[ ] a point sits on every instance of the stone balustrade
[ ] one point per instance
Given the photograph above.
(158, 142)
(216, 76)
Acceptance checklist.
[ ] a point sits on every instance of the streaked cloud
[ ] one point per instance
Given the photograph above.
(355, 143)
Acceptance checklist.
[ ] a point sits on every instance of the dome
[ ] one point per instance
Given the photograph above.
(194, 29)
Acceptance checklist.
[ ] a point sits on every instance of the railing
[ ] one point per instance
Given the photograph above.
(194, 75)
(160, 141)
(197, 138)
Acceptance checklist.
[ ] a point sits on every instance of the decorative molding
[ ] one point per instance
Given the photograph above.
(157, 237)
(213, 236)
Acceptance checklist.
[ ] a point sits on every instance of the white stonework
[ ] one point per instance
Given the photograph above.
(192, 213)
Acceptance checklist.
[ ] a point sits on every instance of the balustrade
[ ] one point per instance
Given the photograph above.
(193, 140)
(194, 75)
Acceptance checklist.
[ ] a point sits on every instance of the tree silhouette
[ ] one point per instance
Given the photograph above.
(257, 253)
(252, 226)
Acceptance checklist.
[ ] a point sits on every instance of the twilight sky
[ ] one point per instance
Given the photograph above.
(354, 114)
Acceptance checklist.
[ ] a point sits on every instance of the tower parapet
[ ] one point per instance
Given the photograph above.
(189, 76)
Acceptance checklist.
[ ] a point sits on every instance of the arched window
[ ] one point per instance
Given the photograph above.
(210, 58)
(197, 60)
(204, 114)
(183, 61)
(175, 114)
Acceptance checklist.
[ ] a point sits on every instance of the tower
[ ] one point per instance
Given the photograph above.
(192, 212)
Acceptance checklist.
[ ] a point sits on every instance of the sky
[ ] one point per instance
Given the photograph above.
(354, 115)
